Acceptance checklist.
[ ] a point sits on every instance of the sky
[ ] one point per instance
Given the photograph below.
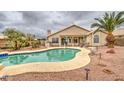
(39, 22)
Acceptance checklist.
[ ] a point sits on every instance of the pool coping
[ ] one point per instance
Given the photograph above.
(81, 59)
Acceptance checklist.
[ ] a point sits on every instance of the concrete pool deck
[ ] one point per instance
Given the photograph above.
(81, 59)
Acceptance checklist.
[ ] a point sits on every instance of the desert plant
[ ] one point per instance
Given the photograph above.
(109, 22)
(36, 43)
(29, 39)
(15, 37)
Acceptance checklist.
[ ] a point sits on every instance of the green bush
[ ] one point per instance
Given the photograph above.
(36, 44)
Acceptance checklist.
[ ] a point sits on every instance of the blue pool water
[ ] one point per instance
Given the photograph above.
(53, 55)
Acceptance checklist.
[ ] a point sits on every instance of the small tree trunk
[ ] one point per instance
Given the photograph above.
(110, 40)
(16, 45)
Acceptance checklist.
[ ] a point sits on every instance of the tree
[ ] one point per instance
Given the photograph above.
(109, 22)
(30, 39)
(15, 37)
(36, 43)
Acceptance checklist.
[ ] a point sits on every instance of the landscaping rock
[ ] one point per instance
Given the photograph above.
(102, 65)
(108, 71)
(111, 51)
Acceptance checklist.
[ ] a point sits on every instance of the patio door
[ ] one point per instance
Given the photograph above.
(62, 41)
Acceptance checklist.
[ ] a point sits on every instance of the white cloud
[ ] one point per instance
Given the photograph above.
(38, 22)
(14, 16)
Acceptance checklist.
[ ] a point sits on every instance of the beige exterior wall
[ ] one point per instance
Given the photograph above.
(102, 37)
(75, 32)
(89, 39)
(72, 31)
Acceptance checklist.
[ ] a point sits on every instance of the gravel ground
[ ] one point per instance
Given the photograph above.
(109, 68)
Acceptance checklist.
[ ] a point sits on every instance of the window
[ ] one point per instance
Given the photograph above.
(55, 40)
(96, 39)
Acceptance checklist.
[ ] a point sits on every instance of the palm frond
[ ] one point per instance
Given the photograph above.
(109, 21)
(95, 25)
(119, 22)
(119, 15)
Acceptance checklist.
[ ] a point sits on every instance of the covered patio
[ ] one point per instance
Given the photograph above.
(72, 40)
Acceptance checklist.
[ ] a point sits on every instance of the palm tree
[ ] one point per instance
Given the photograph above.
(109, 22)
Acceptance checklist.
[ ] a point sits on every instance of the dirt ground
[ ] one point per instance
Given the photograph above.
(109, 68)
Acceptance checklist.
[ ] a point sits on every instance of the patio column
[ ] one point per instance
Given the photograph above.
(72, 41)
(59, 41)
(81, 40)
(78, 41)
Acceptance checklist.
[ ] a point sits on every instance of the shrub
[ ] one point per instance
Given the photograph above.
(111, 51)
(36, 44)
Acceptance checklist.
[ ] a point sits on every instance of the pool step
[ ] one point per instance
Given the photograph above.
(3, 54)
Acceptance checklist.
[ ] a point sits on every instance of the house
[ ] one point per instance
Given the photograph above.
(118, 33)
(119, 36)
(75, 36)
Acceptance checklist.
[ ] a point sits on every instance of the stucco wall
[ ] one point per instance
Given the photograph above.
(70, 31)
(102, 37)
(89, 39)
(76, 31)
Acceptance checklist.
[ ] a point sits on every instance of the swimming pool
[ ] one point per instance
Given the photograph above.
(52, 55)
